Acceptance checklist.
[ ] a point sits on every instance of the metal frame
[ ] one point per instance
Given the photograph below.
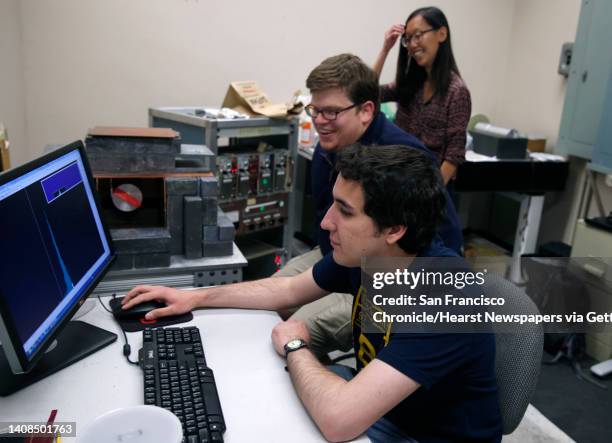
(213, 129)
(181, 273)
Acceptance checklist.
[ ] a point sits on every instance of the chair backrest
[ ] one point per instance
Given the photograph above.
(518, 355)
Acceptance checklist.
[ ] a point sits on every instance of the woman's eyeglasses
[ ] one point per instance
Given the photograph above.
(416, 37)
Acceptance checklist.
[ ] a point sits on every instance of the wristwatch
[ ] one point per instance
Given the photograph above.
(294, 345)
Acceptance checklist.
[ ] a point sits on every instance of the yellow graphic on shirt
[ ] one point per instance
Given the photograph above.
(362, 307)
(366, 352)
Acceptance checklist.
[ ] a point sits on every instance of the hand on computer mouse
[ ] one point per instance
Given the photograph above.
(177, 301)
(136, 312)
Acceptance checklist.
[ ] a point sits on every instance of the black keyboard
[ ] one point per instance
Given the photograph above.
(177, 378)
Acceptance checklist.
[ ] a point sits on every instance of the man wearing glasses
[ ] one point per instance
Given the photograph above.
(345, 110)
(428, 387)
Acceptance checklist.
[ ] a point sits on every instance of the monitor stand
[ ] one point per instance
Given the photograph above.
(76, 341)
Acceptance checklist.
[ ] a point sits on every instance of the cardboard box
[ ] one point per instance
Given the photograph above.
(536, 143)
(248, 98)
(5, 161)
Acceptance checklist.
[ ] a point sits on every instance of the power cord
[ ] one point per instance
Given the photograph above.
(127, 350)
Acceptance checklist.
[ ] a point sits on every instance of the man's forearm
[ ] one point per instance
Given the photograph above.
(267, 294)
(318, 388)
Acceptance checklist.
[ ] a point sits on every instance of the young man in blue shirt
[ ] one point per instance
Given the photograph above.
(433, 387)
(345, 110)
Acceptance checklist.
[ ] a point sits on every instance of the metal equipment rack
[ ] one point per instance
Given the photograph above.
(222, 136)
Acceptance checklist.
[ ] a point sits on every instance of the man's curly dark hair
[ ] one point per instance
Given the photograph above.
(401, 186)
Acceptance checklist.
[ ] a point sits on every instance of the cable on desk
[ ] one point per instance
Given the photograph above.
(127, 350)
(105, 308)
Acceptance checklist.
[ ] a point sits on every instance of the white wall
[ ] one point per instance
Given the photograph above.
(91, 62)
(12, 112)
(74, 64)
(531, 93)
(481, 37)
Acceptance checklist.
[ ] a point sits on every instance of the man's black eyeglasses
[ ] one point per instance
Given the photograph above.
(328, 114)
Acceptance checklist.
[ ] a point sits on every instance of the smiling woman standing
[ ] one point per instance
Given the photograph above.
(434, 103)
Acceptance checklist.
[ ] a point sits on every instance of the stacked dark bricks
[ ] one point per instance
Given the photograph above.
(194, 225)
(141, 248)
(132, 154)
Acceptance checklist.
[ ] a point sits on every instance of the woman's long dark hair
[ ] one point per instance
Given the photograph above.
(410, 76)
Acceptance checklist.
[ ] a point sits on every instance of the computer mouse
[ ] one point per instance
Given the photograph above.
(135, 312)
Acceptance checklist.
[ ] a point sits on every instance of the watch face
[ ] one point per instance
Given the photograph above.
(294, 344)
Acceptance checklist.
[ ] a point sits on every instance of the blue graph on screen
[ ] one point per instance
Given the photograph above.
(67, 279)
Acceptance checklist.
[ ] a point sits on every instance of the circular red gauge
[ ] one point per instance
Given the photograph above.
(126, 197)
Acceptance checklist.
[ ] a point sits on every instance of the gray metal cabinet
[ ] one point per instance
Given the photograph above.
(602, 151)
(589, 79)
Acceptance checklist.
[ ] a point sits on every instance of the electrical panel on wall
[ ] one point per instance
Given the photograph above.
(589, 74)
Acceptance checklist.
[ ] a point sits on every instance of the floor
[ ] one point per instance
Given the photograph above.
(581, 409)
(535, 428)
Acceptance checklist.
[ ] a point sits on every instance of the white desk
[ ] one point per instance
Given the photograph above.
(258, 399)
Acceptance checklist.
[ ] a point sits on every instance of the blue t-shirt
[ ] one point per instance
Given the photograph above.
(380, 132)
(458, 397)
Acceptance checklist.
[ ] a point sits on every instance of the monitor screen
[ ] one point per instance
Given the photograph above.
(54, 250)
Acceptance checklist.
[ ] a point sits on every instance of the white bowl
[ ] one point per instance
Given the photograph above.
(134, 424)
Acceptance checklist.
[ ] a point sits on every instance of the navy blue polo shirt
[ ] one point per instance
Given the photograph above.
(380, 132)
(458, 398)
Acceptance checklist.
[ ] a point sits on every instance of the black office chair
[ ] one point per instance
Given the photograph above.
(518, 355)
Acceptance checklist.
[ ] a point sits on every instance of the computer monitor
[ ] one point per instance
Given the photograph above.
(54, 249)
